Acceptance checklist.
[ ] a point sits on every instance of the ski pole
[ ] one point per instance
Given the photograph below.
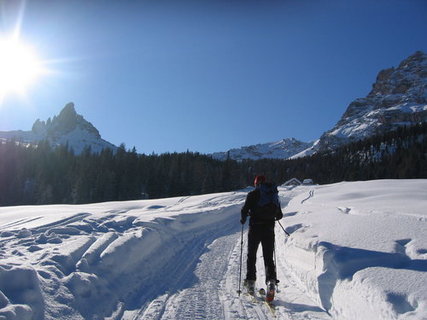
(241, 254)
(275, 265)
(284, 229)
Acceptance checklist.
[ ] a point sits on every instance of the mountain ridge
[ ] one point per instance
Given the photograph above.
(67, 128)
(281, 149)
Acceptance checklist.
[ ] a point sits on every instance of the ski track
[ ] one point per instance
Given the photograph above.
(214, 295)
(202, 300)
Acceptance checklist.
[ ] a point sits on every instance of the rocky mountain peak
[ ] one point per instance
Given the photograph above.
(68, 113)
(398, 97)
(67, 128)
(67, 121)
(410, 74)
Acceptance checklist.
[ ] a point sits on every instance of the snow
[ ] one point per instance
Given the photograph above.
(313, 148)
(77, 139)
(357, 250)
(409, 108)
(359, 231)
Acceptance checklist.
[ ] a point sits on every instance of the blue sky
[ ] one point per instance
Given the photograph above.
(207, 75)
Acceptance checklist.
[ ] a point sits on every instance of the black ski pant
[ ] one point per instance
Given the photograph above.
(264, 234)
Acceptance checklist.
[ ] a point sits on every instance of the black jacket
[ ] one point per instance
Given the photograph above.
(250, 208)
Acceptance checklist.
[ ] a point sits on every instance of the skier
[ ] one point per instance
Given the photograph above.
(263, 207)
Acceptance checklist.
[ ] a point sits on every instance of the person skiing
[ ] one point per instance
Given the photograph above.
(263, 207)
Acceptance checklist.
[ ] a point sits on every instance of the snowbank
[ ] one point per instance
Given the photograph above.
(360, 248)
(86, 262)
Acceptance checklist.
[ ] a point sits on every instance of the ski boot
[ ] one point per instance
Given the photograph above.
(271, 290)
(250, 286)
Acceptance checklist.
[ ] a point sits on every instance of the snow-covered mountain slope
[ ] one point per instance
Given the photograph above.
(282, 149)
(312, 149)
(398, 97)
(357, 250)
(66, 128)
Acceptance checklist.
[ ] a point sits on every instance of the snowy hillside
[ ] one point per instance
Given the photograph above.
(357, 250)
(66, 128)
(282, 149)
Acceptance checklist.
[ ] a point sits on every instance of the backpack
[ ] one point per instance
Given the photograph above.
(268, 202)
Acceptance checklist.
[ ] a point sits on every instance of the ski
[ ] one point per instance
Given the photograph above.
(269, 303)
(261, 296)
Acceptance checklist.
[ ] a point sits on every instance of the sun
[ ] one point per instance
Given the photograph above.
(19, 66)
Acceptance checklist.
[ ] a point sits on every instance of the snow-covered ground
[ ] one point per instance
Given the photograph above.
(357, 250)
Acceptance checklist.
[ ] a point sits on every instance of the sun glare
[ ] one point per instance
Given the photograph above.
(19, 66)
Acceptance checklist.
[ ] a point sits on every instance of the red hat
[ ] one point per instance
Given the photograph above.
(258, 180)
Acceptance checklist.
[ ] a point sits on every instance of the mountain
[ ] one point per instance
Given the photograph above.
(66, 128)
(398, 97)
(282, 149)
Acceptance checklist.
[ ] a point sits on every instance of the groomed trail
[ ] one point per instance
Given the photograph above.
(214, 281)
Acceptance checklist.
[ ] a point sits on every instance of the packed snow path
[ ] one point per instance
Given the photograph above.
(212, 286)
(357, 250)
(214, 295)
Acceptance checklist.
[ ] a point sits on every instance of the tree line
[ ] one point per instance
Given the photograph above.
(399, 154)
(47, 175)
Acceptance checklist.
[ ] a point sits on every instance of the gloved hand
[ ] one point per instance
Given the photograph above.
(279, 216)
(243, 220)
